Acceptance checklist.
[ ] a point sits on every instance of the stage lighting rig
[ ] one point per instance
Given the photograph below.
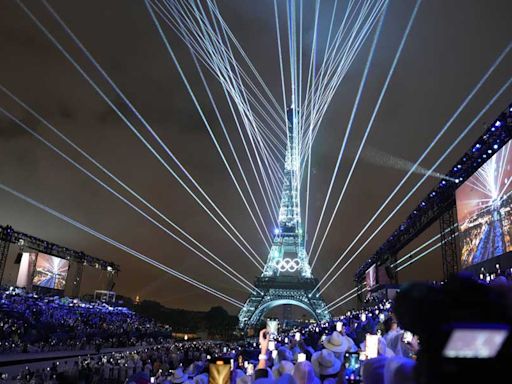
(442, 198)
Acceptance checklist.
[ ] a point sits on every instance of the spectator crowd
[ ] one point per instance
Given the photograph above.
(33, 323)
(401, 341)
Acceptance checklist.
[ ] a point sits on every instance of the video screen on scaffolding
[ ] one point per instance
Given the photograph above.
(371, 277)
(51, 272)
(483, 210)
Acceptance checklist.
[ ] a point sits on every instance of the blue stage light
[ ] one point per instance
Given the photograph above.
(277, 231)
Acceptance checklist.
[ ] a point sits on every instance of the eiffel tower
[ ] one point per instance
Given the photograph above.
(286, 278)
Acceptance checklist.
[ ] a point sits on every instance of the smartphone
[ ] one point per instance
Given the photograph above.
(246, 364)
(475, 343)
(272, 328)
(250, 369)
(353, 367)
(225, 350)
(301, 357)
(271, 345)
(339, 326)
(274, 353)
(363, 317)
(152, 379)
(407, 337)
(218, 372)
(372, 346)
(297, 336)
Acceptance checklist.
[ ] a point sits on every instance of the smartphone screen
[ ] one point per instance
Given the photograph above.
(372, 346)
(301, 357)
(218, 373)
(339, 326)
(250, 369)
(272, 328)
(297, 336)
(353, 366)
(407, 337)
(475, 343)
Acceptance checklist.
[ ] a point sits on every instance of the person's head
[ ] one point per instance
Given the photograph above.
(284, 353)
(282, 368)
(303, 373)
(325, 364)
(433, 312)
(335, 342)
(390, 324)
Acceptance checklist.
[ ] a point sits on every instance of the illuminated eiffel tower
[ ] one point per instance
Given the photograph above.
(286, 278)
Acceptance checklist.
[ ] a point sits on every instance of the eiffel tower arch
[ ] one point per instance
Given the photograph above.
(287, 277)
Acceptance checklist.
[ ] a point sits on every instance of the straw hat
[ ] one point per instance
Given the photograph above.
(325, 363)
(335, 342)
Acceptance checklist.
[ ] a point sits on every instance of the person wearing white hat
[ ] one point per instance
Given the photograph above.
(339, 344)
(325, 364)
(283, 367)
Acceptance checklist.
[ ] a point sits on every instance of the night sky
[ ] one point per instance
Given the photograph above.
(450, 47)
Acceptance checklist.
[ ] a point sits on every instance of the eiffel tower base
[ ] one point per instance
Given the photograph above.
(278, 290)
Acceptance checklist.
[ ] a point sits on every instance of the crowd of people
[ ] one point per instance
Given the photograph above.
(400, 341)
(33, 323)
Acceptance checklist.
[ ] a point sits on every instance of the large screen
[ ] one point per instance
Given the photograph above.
(483, 210)
(51, 271)
(371, 277)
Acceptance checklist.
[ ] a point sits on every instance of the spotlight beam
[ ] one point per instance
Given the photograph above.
(212, 135)
(241, 280)
(345, 139)
(347, 56)
(375, 232)
(171, 271)
(280, 61)
(135, 131)
(266, 184)
(348, 299)
(423, 254)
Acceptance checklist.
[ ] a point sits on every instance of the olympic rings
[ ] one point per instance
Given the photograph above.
(287, 265)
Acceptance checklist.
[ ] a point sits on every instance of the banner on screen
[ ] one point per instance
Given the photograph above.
(483, 210)
(51, 271)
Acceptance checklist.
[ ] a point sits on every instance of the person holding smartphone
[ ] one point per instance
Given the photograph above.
(261, 369)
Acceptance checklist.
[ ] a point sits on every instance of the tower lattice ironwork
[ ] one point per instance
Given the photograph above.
(287, 277)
